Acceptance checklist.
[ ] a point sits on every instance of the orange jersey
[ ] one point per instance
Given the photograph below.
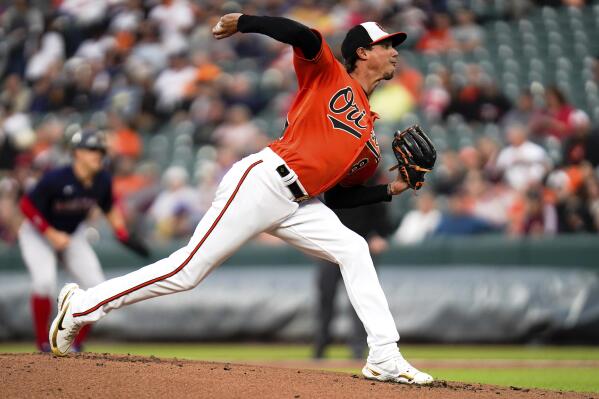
(328, 126)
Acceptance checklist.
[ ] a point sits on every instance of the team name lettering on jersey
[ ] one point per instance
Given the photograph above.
(75, 205)
(343, 102)
(373, 145)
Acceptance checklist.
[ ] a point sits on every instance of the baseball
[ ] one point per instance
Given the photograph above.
(219, 26)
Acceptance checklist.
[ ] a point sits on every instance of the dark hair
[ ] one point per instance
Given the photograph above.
(557, 93)
(350, 63)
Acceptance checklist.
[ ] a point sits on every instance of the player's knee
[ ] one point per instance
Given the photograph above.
(362, 247)
(357, 247)
(192, 278)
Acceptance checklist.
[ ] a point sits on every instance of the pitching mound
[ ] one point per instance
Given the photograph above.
(93, 375)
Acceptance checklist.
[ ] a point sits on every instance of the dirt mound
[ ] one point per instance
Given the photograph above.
(91, 375)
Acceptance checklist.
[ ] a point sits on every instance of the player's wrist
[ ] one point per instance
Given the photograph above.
(396, 187)
(50, 231)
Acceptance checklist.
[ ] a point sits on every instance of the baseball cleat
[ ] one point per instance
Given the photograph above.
(64, 329)
(397, 370)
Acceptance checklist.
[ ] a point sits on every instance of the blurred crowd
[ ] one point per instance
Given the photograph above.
(179, 108)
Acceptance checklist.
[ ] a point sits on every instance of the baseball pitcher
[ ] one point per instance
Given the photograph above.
(328, 146)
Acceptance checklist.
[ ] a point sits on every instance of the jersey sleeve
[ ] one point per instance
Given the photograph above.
(42, 193)
(35, 205)
(340, 197)
(310, 70)
(105, 201)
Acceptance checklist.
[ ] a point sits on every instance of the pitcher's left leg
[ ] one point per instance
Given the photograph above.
(315, 229)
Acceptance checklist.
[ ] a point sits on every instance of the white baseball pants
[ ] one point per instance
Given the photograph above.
(252, 198)
(41, 260)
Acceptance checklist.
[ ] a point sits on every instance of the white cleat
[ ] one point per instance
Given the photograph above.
(397, 370)
(64, 329)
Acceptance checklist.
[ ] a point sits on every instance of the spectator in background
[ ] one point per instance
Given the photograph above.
(392, 101)
(10, 216)
(466, 33)
(15, 95)
(421, 222)
(439, 38)
(489, 202)
(172, 84)
(488, 150)
(135, 188)
(458, 219)
(555, 121)
(22, 25)
(50, 150)
(125, 22)
(450, 173)
(126, 180)
(8, 150)
(49, 54)
(177, 200)
(584, 142)
(123, 140)
(206, 70)
(148, 50)
(523, 113)
(479, 100)
(411, 18)
(208, 176)
(523, 163)
(573, 189)
(470, 159)
(207, 112)
(540, 216)
(19, 132)
(436, 95)
(410, 78)
(239, 91)
(87, 16)
(174, 18)
(86, 90)
(592, 196)
(48, 95)
(493, 102)
(239, 133)
(125, 98)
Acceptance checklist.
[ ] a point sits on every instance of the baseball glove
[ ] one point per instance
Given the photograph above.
(416, 155)
(136, 245)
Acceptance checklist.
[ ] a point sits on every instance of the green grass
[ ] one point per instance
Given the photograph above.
(242, 351)
(582, 379)
(565, 379)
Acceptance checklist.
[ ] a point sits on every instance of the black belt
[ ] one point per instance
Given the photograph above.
(295, 188)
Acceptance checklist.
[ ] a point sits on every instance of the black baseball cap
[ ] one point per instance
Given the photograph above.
(89, 139)
(367, 34)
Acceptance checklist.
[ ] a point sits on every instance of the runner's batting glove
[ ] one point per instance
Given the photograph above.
(136, 245)
(416, 155)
